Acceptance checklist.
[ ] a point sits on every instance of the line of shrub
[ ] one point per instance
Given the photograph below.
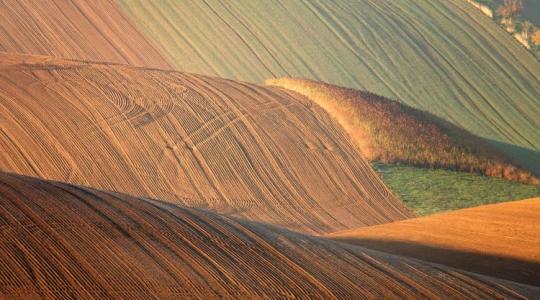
(391, 132)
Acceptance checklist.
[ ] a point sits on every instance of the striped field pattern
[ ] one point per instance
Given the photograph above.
(238, 149)
(64, 241)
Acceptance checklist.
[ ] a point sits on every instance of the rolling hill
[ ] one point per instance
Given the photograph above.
(441, 56)
(500, 239)
(125, 176)
(66, 241)
(239, 149)
(430, 164)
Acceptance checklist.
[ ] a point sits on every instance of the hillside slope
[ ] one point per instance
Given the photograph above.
(502, 239)
(239, 149)
(66, 241)
(89, 30)
(442, 56)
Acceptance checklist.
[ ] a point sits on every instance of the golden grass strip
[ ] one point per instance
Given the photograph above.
(392, 132)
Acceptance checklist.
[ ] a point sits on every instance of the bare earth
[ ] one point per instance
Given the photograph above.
(502, 240)
(239, 149)
(66, 241)
(122, 179)
(88, 30)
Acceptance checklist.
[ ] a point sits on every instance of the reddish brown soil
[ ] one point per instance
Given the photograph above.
(80, 29)
(65, 241)
(235, 148)
(502, 240)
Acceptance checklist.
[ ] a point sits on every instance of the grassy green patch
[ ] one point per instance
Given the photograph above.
(427, 191)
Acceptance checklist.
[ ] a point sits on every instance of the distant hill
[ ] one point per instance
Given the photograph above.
(87, 30)
(442, 56)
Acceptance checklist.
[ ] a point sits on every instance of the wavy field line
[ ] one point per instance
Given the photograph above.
(243, 150)
(97, 30)
(66, 241)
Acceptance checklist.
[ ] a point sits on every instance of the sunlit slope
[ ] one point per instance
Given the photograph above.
(235, 148)
(89, 30)
(66, 241)
(443, 56)
(502, 240)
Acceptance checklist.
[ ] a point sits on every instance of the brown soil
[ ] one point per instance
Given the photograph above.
(502, 240)
(239, 149)
(80, 29)
(66, 241)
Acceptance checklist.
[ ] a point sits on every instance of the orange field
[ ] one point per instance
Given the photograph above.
(502, 240)
(66, 241)
(124, 177)
(238, 149)
(96, 30)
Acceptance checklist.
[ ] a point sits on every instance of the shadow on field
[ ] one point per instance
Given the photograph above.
(495, 266)
(526, 158)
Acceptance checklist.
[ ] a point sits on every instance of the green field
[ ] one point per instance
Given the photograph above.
(442, 56)
(428, 191)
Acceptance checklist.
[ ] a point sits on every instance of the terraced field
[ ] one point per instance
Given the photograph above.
(66, 241)
(442, 56)
(500, 239)
(238, 149)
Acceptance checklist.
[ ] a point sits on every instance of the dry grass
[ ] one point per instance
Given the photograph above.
(389, 131)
